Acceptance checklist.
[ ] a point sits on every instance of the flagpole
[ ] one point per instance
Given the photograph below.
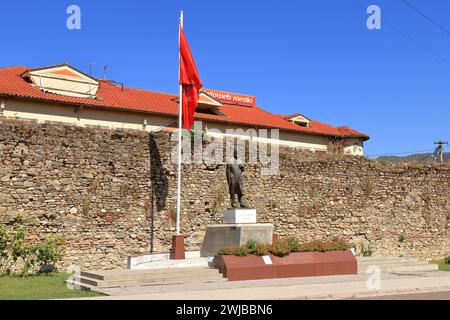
(180, 118)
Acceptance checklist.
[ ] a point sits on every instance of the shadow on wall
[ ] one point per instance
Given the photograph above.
(159, 179)
(160, 185)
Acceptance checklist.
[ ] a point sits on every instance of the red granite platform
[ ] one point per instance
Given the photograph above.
(301, 264)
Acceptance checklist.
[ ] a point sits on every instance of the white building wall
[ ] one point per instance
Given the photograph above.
(46, 112)
(354, 146)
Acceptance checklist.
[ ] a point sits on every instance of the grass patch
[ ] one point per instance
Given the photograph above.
(442, 265)
(39, 287)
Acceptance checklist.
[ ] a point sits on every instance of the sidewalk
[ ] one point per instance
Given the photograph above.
(330, 287)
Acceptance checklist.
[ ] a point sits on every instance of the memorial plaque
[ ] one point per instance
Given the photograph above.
(267, 260)
(239, 216)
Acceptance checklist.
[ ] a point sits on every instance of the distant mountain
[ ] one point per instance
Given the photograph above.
(413, 157)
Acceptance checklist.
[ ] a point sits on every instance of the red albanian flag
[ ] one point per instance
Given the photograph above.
(189, 80)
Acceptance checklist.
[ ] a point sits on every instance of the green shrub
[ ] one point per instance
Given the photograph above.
(251, 246)
(447, 260)
(401, 238)
(366, 251)
(241, 251)
(294, 244)
(12, 246)
(23, 257)
(48, 254)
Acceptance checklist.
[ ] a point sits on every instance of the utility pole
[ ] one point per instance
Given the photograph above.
(439, 151)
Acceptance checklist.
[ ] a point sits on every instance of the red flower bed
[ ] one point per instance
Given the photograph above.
(297, 264)
(288, 258)
(284, 247)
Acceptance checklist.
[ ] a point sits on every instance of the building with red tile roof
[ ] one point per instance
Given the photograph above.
(63, 93)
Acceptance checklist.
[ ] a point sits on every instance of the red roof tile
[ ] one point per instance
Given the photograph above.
(115, 97)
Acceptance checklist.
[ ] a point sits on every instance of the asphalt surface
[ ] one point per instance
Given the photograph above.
(442, 295)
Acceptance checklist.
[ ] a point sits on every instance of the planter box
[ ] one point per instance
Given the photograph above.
(301, 264)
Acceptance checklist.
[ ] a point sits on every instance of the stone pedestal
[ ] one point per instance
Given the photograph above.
(239, 216)
(177, 250)
(223, 235)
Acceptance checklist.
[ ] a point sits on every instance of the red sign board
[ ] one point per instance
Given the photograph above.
(231, 98)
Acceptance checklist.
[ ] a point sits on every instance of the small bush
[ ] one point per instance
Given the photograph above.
(262, 249)
(18, 255)
(280, 248)
(48, 254)
(340, 245)
(319, 246)
(366, 251)
(251, 246)
(284, 247)
(447, 260)
(312, 246)
(241, 251)
(401, 238)
(294, 244)
(225, 251)
(233, 251)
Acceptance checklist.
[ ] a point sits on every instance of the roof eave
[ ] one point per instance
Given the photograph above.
(365, 138)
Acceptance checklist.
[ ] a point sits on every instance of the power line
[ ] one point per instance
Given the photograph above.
(418, 43)
(401, 153)
(437, 55)
(427, 17)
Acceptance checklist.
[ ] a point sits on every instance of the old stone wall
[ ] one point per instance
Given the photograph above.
(111, 194)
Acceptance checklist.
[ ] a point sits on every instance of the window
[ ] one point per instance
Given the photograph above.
(213, 111)
(299, 119)
(64, 80)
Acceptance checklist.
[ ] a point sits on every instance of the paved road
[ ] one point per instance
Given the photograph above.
(330, 287)
(443, 295)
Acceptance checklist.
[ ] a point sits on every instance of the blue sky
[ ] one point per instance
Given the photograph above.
(314, 57)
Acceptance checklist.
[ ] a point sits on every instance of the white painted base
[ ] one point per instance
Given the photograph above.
(232, 216)
(159, 260)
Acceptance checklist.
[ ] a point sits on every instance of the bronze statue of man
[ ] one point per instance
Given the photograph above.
(235, 172)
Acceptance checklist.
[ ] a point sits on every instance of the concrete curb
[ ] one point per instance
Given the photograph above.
(317, 290)
(371, 294)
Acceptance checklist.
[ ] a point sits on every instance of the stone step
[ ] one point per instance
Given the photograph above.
(405, 269)
(171, 264)
(180, 279)
(125, 278)
(395, 265)
(389, 264)
(147, 273)
(384, 259)
(76, 284)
